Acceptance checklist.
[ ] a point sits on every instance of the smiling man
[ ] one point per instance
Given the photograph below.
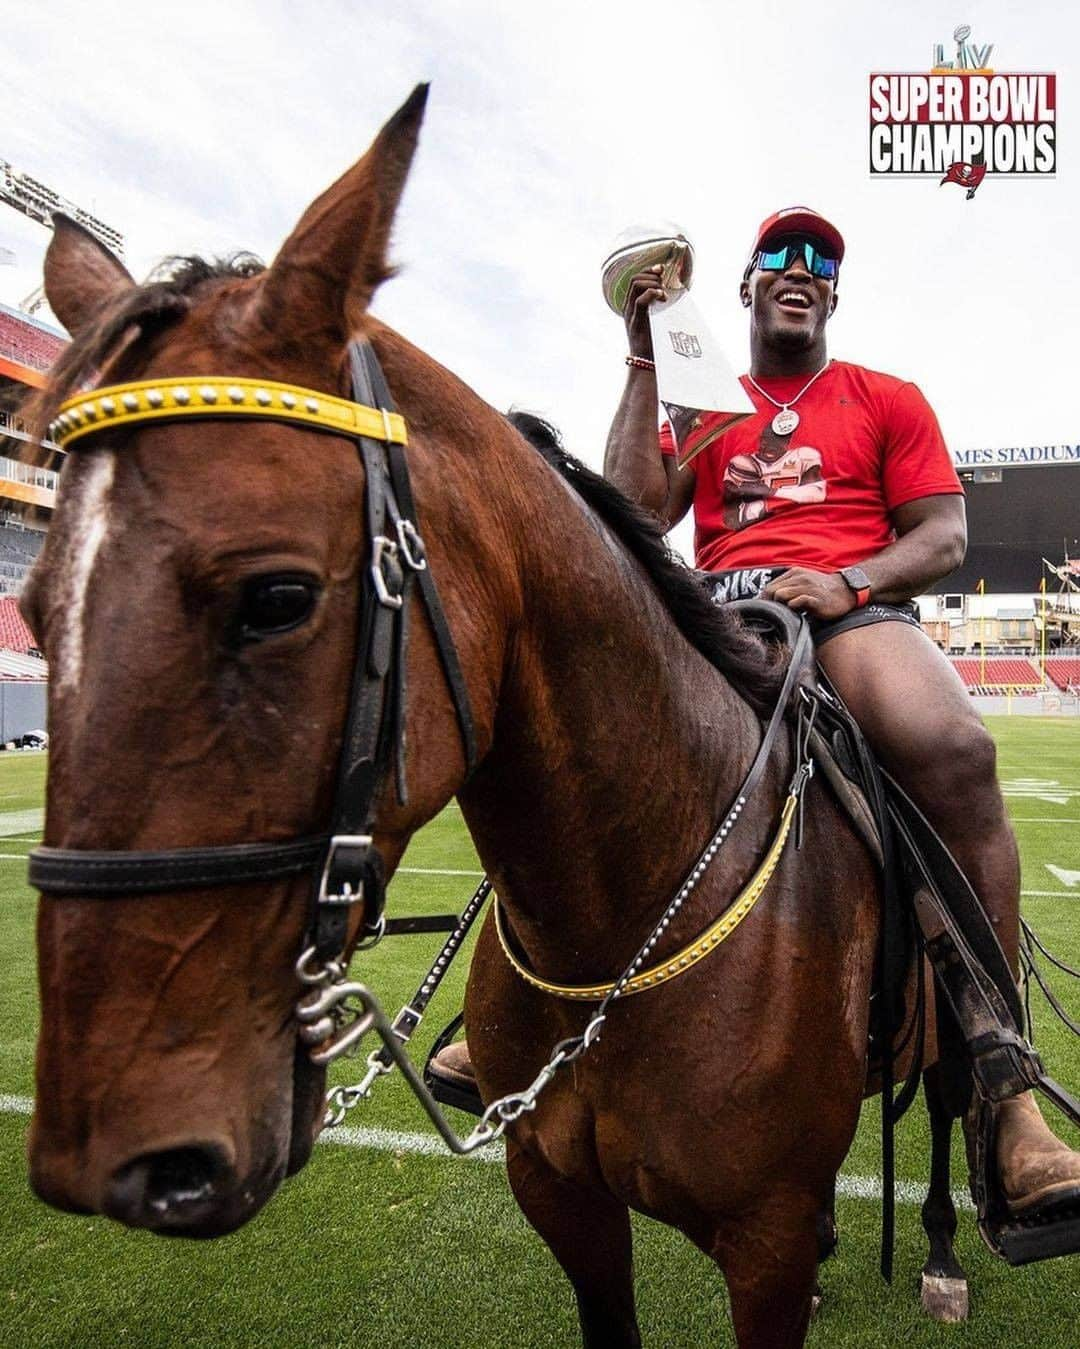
(839, 499)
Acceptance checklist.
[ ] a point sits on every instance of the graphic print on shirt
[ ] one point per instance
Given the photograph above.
(776, 474)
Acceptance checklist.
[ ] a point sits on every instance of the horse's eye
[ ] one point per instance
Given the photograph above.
(274, 604)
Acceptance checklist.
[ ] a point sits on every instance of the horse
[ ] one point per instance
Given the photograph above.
(197, 599)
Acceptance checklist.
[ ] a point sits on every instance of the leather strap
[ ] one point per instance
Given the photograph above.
(79, 873)
(218, 397)
(352, 870)
(444, 640)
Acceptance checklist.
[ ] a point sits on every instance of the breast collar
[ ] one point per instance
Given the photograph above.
(346, 867)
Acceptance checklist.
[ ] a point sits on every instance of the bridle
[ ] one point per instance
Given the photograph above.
(335, 1014)
(349, 868)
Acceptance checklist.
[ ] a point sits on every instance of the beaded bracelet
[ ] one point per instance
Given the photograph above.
(641, 363)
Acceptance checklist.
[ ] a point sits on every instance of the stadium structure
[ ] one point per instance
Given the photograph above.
(1009, 618)
(29, 344)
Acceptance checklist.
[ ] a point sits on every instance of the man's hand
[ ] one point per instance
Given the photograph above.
(821, 594)
(645, 290)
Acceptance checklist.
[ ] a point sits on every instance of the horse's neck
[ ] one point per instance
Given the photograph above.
(617, 744)
(613, 744)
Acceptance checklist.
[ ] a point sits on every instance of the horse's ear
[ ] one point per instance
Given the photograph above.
(80, 274)
(330, 266)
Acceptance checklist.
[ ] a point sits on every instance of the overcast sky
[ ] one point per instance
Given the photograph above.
(202, 127)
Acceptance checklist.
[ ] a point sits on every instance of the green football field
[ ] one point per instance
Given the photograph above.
(384, 1240)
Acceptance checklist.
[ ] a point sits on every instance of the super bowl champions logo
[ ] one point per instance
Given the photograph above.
(962, 120)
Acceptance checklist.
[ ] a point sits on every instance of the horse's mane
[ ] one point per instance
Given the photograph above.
(131, 319)
(719, 634)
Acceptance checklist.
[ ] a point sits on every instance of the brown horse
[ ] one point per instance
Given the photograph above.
(197, 601)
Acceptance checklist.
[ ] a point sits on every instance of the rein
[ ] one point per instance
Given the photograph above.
(336, 1013)
(638, 980)
(368, 1015)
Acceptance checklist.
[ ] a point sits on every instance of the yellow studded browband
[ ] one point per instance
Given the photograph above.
(689, 956)
(150, 400)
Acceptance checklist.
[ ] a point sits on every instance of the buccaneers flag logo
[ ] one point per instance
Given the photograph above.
(967, 175)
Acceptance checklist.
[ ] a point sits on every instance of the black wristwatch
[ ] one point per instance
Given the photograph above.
(858, 580)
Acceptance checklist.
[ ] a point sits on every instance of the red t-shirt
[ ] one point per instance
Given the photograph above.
(821, 497)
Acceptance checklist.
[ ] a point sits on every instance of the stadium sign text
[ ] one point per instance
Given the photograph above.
(961, 121)
(1029, 456)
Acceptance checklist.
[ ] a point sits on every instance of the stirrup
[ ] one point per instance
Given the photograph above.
(1046, 1230)
(449, 1091)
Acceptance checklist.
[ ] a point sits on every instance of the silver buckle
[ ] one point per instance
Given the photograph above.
(381, 545)
(347, 895)
(407, 536)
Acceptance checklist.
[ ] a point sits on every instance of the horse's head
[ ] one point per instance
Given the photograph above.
(197, 601)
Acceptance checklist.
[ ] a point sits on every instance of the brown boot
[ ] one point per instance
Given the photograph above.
(452, 1064)
(1036, 1169)
(451, 1079)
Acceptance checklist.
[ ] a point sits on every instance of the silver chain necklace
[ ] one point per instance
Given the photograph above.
(786, 420)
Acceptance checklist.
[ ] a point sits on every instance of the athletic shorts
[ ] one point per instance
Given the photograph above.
(748, 582)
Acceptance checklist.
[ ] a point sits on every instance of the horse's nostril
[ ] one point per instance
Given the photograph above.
(168, 1188)
(182, 1176)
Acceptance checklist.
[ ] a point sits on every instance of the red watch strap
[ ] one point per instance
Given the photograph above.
(852, 576)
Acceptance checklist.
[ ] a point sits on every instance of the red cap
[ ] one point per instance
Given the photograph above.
(800, 220)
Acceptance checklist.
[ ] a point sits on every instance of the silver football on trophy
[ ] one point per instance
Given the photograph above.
(643, 246)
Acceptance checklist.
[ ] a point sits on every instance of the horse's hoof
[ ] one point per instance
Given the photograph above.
(815, 1305)
(944, 1299)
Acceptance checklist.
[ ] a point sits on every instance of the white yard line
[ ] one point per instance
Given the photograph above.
(428, 1145)
(434, 871)
(19, 822)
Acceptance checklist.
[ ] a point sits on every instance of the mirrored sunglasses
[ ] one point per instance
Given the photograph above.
(780, 259)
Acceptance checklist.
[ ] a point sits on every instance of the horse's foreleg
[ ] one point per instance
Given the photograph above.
(588, 1232)
(827, 1241)
(944, 1283)
(827, 1236)
(770, 1264)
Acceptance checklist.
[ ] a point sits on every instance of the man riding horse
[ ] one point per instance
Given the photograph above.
(237, 545)
(839, 499)
(867, 514)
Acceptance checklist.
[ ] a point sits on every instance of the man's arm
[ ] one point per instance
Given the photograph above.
(931, 542)
(632, 459)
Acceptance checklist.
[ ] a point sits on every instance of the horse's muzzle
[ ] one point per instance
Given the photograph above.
(191, 1190)
(185, 1191)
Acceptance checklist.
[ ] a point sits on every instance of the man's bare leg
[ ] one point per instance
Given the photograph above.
(916, 714)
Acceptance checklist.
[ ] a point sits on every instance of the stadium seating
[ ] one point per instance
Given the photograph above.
(14, 634)
(1064, 672)
(995, 672)
(20, 545)
(28, 344)
(18, 549)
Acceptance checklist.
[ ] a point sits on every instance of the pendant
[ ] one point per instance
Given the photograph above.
(785, 422)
